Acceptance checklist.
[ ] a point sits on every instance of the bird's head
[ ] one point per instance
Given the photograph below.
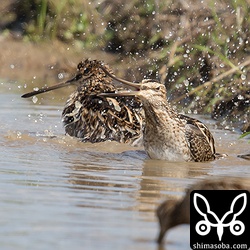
(89, 72)
(147, 89)
(92, 68)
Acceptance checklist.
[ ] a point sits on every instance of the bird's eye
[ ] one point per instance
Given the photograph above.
(86, 71)
(158, 88)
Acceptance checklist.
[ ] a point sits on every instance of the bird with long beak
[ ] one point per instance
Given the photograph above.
(93, 118)
(174, 212)
(168, 135)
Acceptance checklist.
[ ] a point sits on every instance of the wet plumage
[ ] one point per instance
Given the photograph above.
(172, 213)
(93, 118)
(168, 135)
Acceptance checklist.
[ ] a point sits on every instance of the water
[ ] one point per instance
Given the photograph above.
(59, 193)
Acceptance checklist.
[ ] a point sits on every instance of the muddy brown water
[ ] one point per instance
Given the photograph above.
(59, 193)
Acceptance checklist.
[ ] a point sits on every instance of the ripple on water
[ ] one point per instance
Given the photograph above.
(57, 192)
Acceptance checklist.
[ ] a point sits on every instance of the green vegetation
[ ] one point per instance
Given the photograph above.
(245, 135)
(58, 19)
(200, 50)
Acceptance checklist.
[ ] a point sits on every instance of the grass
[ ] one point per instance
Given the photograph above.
(58, 19)
(245, 135)
(41, 17)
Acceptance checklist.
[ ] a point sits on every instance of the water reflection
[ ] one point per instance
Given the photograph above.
(162, 179)
(61, 193)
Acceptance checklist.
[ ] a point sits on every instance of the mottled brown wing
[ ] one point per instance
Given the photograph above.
(96, 119)
(200, 139)
(93, 118)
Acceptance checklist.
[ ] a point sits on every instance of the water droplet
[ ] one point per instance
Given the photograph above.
(60, 76)
(34, 99)
(241, 97)
(18, 134)
(186, 83)
(243, 77)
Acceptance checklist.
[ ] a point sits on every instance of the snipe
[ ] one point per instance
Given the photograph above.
(168, 135)
(93, 118)
(172, 213)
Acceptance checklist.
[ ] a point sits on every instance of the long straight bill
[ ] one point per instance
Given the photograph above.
(136, 86)
(47, 89)
(120, 93)
(58, 86)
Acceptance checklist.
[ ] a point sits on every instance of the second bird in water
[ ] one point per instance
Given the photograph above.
(168, 135)
(93, 118)
(99, 110)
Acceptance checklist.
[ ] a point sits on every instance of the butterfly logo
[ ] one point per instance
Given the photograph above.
(236, 227)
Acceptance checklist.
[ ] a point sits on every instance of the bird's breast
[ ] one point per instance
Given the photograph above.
(166, 142)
